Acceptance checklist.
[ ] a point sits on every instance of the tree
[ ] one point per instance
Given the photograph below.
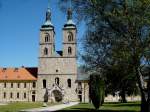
(124, 26)
(96, 90)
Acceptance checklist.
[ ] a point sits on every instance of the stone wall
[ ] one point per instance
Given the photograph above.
(57, 65)
(116, 98)
(69, 93)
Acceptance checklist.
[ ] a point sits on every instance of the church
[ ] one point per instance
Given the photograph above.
(56, 74)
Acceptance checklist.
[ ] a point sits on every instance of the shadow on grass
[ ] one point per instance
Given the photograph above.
(122, 104)
(93, 110)
(107, 107)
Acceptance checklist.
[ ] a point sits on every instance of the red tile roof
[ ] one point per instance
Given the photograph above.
(29, 74)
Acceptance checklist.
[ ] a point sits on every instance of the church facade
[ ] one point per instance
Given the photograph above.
(57, 71)
(56, 74)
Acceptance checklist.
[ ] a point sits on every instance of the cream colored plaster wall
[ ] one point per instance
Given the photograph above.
(14, 90)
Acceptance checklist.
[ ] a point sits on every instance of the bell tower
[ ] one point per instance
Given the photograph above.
(57, 70)
(69, 36)
(47, 41)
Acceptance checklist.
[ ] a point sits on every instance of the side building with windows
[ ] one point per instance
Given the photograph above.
(18, 84)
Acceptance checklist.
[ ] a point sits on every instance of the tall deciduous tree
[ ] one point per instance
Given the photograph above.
(123, 27)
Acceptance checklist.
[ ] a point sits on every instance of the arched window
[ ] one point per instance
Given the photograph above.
(69, 50)
(45, 51)
(69, 83)
(70, 36)
(57, 80)
(44, 83)
(47, 37)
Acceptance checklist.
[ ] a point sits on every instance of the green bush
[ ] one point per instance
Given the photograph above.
(96, 90)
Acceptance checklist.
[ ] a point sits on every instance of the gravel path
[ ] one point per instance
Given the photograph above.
(51, 108)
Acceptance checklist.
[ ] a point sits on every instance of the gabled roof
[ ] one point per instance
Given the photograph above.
(18, 74)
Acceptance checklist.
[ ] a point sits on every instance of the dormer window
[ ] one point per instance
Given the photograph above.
(16, 70)
(45, 51)
(70, 37)
(4, 69)
(47, 38)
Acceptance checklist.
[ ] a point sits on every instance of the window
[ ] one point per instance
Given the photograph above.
(11, 85)
(4, 94)
(33, 84)
(70, 36)
(79, 88)
(33, 92)
(17, 95)
(57, 80)
(47, 37)
(11, 95)
(25, 95)
(25, 85)
(69, 83)
(18, 85)
(56, 70)
(69, 50)
(5, 85)
(45, 51)
(44, 83)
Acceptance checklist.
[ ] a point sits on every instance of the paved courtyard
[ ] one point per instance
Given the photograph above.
(51, 108)
(1, 103)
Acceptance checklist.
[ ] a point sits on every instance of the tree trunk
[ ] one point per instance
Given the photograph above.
(123, 96)
(144, 103)
(144, 93)
(148, 88)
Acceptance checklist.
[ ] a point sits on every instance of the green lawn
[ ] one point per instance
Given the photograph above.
(15, 107)
(107, 107)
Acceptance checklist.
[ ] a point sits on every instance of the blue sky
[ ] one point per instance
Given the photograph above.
(20, 21)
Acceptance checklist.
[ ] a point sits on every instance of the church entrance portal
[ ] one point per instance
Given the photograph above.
(57, 95)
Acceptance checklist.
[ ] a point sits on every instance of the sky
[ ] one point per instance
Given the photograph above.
(20, 22)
